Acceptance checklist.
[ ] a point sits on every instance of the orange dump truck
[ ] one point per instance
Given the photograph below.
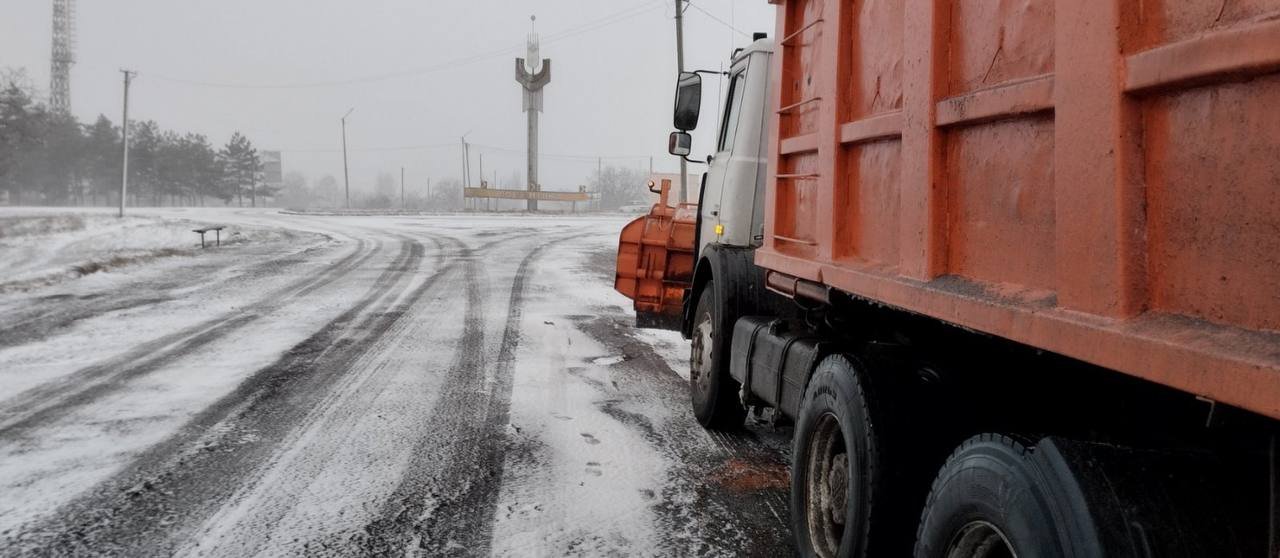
(1010, 267)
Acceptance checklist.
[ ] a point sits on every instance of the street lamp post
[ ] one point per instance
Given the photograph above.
(346, 176)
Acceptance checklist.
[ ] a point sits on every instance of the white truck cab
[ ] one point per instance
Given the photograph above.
(731, 197)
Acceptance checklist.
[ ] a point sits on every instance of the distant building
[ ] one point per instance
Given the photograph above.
(272, 167)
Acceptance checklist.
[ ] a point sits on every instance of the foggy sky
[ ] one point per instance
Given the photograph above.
(412, 69)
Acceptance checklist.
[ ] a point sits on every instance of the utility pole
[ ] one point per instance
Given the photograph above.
(401, 188)
(466, 168)
(346, 175)
(124, 165)
(482, 184)
(466, 162)
(684, 166)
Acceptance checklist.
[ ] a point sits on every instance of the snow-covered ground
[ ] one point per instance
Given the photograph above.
(334, 385)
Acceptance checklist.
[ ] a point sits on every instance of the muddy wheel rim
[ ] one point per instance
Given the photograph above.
(827, 487)
(980, 539)
(700, 359)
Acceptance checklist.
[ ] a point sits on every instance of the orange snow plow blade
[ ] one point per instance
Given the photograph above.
(655, 261)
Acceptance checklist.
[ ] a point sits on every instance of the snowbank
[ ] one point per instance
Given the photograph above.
(39, 249)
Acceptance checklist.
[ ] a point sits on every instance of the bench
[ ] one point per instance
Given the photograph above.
(217, 234)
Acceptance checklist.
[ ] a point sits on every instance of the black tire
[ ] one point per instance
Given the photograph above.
(712, 391)
(993, 500)
(837, 448)
(1067, 499)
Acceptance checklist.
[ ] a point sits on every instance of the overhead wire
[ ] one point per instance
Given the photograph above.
(718, 20)
(390, 148)
(474, 146)
(612, 19)
(606, 21)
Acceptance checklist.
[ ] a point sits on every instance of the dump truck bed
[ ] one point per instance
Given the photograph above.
(1097, 178)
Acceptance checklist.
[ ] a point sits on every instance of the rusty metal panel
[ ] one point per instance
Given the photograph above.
(804, 57)
(1098, 178)
(995, 42)
(1213, 202)
(868, 228)
(868, 176)
(875, 84)
(1163, 21)
(1000, 203)
(797, 190)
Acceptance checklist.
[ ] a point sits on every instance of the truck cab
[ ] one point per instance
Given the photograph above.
(731, 199)
(668, 255)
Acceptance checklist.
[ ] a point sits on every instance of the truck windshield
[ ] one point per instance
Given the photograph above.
(729, 128)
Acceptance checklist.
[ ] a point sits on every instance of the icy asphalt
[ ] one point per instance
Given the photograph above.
(354, 385)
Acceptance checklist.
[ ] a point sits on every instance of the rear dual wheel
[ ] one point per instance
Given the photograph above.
(836, 474)
(993, 499)
(1000, 497)
(859, 477)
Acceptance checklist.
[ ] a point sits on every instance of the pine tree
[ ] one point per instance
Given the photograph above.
(102, 156)
(241, 167)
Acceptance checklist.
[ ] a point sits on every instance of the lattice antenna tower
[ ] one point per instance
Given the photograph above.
(63, 56)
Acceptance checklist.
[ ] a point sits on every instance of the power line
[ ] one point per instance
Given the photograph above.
(718, 20)
(367, 149)
(485, 147)
(612, 19)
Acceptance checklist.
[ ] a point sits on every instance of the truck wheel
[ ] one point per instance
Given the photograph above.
(998, 497)
(713, 392)
(994, 500)
(836, 468)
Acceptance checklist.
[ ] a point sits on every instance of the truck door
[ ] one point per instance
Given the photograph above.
(722, 169)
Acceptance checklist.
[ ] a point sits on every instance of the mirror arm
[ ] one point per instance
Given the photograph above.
(709, 72)
(695, 161)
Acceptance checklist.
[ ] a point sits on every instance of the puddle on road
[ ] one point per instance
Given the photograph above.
(740, 475)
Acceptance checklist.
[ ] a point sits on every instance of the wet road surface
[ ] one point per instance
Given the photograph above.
(370, 386)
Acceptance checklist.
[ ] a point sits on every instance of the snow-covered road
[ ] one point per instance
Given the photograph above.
(353, 385)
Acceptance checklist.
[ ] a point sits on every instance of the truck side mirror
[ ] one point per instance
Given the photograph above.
(679, 144)
(688, 101)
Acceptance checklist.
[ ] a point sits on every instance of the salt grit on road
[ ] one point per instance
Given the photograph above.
(353, 385)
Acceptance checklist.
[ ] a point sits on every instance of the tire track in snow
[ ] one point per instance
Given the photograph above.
(57, 398)
(268, 502)
(40, 321)
(265, 498)
(182, 480)
(445, 502)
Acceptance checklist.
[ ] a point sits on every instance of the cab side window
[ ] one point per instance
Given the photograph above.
(729, 127)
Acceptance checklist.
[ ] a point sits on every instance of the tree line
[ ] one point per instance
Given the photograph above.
(50, 158)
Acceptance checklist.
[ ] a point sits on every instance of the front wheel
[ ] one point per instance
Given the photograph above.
(712, 391)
